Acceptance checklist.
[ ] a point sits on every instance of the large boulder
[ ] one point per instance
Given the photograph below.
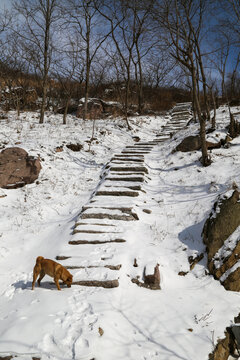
(190, 143)
(17, 168)
(221, 236)
(193, 142)
(95, 109)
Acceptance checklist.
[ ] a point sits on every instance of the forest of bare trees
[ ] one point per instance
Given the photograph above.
(146, 53)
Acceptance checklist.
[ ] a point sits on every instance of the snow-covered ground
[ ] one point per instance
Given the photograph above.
(185, 318)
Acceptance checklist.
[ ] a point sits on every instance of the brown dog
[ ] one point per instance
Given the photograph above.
(53, 269)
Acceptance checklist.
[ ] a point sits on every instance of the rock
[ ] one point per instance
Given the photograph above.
(59, 149)
(224, 347)
(193, 143)
(194, 260)
(101, 332)
(95, 108)
(211, 145)
(75, 147)
(112, 108)
(17, 168)
(222, 222)
(190, 143)
(232, 282)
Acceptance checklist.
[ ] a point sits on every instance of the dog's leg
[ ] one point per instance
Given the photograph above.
(56, 280)
(42, 274)
(36, 271)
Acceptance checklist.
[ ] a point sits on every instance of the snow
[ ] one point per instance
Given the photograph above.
(182, 320)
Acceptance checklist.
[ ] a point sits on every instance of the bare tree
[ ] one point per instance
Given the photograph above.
(69, 70)
(83, 21)
(183, 21)
(35, 33)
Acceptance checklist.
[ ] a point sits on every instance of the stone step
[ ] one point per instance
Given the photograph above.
(129, 168)
(139, 148)
(110, 267)
(107, 284)
(135, 152)
(121, 183)
(126, 173)
(149, 143)
(92, 261)
(108, 213)
(121, 162)
(139, 156)
(117, 193)
(130, 179)
(122, 159)
(90, 231)
(93, 273)
(93, 224)
(94, 242)
(117, 186)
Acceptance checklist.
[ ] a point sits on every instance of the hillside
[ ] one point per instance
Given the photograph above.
(182, 320)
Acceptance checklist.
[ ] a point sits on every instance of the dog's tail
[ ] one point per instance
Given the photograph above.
(39, 259)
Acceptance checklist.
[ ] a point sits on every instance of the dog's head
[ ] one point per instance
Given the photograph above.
(68, 282)
(67, 279)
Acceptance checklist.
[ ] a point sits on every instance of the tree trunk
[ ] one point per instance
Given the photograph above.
(86, 93)
(214, 109)
(140, 82)
(44, 95)
(126, 105)
(45, 66)
(205, 158)
(66, 111)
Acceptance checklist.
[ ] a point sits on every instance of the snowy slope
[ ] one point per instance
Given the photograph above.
(184, 319)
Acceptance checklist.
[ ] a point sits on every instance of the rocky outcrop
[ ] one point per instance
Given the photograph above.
(221, 235)
(190, 143)
(224, 347)
(17, 168)
(95, 109)
(193, 143)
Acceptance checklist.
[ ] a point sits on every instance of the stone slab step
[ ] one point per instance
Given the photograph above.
(94, 273)
(135, 152)
(96, 229)
(107, 284)
(108, 213)
(108, 202)
(117, 193)
(94, 242)
(129, 156)
(122, 159)
(121, 183)
(128, 179)
(126, 173)
(99, 237)
(120, 186)
(152, 143)
(83, 261)
(110, 267)
(90, 231)
(93, 223)
(129, 168)
(97, 206)
(139, 148)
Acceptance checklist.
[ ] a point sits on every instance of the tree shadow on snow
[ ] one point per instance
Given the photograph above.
(192, 237)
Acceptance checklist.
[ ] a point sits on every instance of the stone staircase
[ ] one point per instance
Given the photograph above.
(180, 115)
(98, 237)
